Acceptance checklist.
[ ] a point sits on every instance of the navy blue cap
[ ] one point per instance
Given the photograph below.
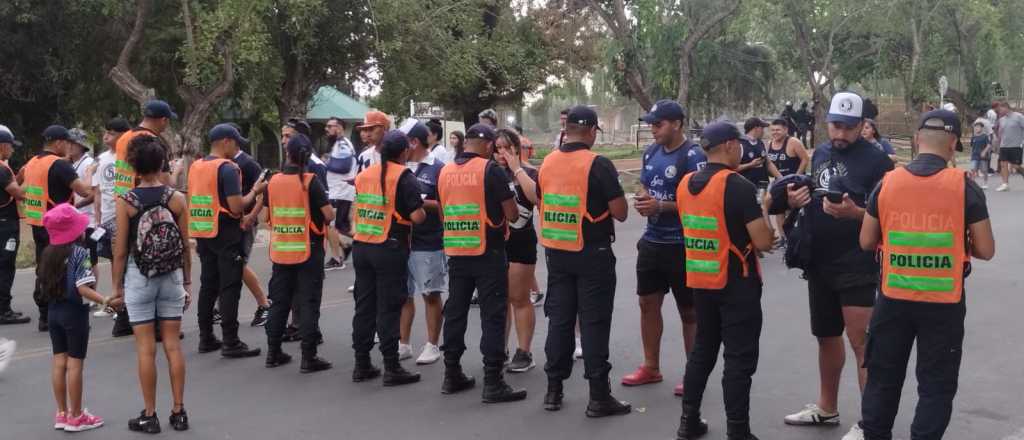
(664, 110)
(582, 115)
(118, 124)
(56, 133)
(418, 131)
(943, 120)
(481, 131)
(395, 139)
(298, 145)
(717, 133)
(157, 109)
(227, 131)
(6, 136)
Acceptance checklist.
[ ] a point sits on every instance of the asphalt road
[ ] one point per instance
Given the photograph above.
(229, 399)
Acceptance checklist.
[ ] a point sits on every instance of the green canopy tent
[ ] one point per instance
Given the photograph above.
(330, 102)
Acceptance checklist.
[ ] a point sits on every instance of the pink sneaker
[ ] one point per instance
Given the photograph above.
(83, 422)
(60, 420)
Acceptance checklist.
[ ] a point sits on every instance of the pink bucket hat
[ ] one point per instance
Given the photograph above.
(64, 224)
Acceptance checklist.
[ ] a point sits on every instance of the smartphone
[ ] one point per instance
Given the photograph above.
(834, 196)
(266, 175)
(97, 234)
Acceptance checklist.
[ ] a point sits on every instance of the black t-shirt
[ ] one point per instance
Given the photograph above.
(250, 170)
(975, 208)
(741, 207)
(317, 200)
(602, 187)
(9, 213)
(497, 189)
(407, 201)
(229, 183)
(525, 222)
(753, 150)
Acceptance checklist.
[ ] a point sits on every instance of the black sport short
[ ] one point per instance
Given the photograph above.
(69, 330)
(660, 267)
(829, 293)
(248, 240)
(1011, 155)
(521, 246)
(342, 222)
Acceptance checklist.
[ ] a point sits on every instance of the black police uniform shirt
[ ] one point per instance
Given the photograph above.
(497, 189)
(407, 201)
(975, 207)
(8, 214)
(317, 200)
(525, 221)
(603, 187)
(429, 235)
(741, 207)
(752, 150)
(62, 174)
(856, 170)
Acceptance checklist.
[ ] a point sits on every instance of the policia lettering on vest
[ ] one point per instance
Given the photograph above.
(723, 228)
(927, 221)
(577, 184)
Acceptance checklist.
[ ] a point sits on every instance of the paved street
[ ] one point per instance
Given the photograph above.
(240, 399)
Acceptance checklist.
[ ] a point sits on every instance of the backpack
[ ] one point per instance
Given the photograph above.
(157, 244)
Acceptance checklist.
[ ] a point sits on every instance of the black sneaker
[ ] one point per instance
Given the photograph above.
(608, 407)
(536, 298)
(314, 364)
(345, 252)
(144, 423)
(260, 316)
(43, 326)
(179, 420)
(208, 345)
(10, 317)
(239, 350)
(333, 264)
(521, 362)
(216, 316)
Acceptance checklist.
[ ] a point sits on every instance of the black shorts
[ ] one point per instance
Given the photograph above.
(660, 267)
(342, 222)
(248, 240)
(521, 246)
(1011, 155)
(69, 330)
(829, 293)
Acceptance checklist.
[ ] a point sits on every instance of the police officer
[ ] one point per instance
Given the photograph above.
(924, 264)
(387, 203)
(9, 228)
(659, 263)
(842, 278)
(722, 230)
(48, 180)
(216, 205)
(477, 204)
(156, 117)
(580, 194)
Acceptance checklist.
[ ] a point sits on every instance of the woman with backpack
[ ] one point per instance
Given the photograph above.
(152, 276)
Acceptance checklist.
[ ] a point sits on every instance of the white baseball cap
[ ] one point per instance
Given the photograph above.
(846, 108)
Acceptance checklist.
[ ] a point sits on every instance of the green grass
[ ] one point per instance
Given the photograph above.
(27, 249)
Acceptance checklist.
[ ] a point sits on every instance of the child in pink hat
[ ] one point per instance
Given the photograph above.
(65, 277)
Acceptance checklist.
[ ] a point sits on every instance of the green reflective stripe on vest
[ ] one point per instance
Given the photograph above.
(200, 226)
(460, 210)
(35, 215)
(123, 165)
(290, 212)
(120, 190)
(558, 234)
(921, 239)
(704, 266)
(202, 200)
(700, 222)
(371, 199)
(289, 246)
(563, 200)
(34, 190)
(364, 228)
(920, 283)
(462, 242)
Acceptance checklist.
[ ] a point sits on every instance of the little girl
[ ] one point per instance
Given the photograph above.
(66, 278)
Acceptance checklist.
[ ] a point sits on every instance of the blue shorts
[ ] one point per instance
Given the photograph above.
(428, 272)
(69, 329)
(149, 299)
(980, 165)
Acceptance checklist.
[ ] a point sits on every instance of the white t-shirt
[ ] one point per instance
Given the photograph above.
(338, 186)
(82, 167)
(104, 179)
(441, 153)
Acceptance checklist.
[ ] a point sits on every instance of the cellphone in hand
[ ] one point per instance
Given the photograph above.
(834, 196)
(266, 175)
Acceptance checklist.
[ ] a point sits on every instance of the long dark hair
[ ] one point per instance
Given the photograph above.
(298, 155)
(53, 269)
(458, 145)
(874, 128)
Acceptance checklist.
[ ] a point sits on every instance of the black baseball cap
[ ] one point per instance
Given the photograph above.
(300, 126)
(298, 146)
(419, 131)
(943, 120)
(481, 131)
(664, 110)
(157, 109)
(118, 124)
(753, 123)
(56, 133)
(7, 136)
(582, 115)
(227, 131)
(717, 133)
(395, 139)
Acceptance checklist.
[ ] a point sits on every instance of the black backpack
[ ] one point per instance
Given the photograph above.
(157, 245)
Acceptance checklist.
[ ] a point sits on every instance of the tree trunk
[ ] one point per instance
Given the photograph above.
(819, 133)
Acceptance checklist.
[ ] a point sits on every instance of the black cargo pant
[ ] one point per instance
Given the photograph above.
(297, 285)
(220, 281)
(42, 240)
(382, 273)
(579, 284)
(486, 274)
(938, 330)
(729, 318)
(9, 244)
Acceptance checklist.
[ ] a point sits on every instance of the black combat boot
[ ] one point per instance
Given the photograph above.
(276, 357)
(553, 398)
(364, 369)
(739, 430)
(602, 404)
(495, 388)
(395, 375)
(691, 426)
(454, 379)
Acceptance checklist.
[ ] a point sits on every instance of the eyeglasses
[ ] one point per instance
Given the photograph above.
(332, 125)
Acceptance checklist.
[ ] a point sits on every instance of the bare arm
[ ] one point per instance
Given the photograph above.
(800, 151)
(97, 210)
(328, 212)
(761, 235)
(180, 209)
(15, 190)
(121, 247)
(511, 210)
(418, 216)
(983, 243)
(431, 205)
(618, 209)
(87, 292)
(870, 233)
(81, 188)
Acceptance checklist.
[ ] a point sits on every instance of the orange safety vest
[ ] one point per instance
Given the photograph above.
(124, 175)
(204, 206)
(923, 226)
(289, 218)
(705, 235)
(374, 209)
(461, 191)
(564, 180)
(37, 189)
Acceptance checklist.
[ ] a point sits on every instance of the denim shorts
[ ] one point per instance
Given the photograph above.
(157, 298)
(428, 272)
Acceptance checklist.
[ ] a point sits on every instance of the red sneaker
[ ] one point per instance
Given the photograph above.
(642, 376)
(678, 389)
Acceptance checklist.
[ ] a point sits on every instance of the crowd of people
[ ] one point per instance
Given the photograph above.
(885, 259)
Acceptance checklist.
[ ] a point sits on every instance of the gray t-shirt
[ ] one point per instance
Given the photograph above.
(1011, 130)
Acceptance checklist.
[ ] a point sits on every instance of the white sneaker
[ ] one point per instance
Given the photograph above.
(578, 354)
(812, 415)
(404, 351)
(102, 313)
(984, 186)
(351, 288)
(7, 348)
(856, 433)
(1003, 187)
(429, 355)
